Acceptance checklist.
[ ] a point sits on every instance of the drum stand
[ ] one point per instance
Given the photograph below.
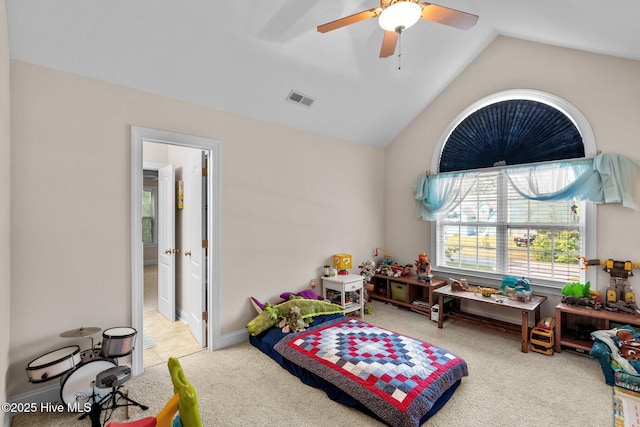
(112, 378)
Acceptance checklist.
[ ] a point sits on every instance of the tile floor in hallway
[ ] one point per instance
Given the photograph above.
(170, 339)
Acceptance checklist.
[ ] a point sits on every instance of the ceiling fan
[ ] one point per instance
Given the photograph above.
(398, 15)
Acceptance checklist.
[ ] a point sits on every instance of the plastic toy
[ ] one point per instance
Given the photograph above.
(548, 323)
(342, 262)
(184, 401)
(578, 290)
(423, 268)
(516, 289)
(619, 294)
(541, 340)
(386, 260)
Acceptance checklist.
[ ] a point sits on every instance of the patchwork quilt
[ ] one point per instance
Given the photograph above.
(397, 377)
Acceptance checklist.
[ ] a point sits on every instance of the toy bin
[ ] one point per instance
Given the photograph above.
(399, 291)
(435, 312)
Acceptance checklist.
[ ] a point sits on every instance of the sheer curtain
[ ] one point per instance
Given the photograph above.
(606, 178)
(436, 195)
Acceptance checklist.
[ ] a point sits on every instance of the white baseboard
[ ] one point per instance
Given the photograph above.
(225, 340)
(233, 339)
(50, 393)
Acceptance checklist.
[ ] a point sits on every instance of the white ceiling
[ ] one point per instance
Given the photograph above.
(246, 56)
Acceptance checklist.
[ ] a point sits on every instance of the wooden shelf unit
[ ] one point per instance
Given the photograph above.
(568, 316)
(524, 307)
(415, 290)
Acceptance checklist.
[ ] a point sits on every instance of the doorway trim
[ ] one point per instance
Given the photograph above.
(139, 135)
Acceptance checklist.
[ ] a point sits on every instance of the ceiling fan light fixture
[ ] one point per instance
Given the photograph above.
(400, 14)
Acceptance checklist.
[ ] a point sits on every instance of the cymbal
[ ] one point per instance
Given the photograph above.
(81, 332)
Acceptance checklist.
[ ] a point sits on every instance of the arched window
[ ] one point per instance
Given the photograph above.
(511, 132)
(495, 231)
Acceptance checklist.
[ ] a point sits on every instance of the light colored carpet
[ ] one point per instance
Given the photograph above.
(240, 386)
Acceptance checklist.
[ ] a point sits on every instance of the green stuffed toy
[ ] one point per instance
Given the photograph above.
(274, 313)
(577, 289)
(308, 309)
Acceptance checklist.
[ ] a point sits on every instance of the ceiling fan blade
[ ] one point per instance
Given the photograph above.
(389, 44)
(447, 16)
(348, 20)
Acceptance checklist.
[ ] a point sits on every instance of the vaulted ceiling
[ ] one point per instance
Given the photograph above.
(245, 57)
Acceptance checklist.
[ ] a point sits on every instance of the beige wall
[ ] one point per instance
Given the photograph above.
(605, 89)
(290, 199)
(5, 235)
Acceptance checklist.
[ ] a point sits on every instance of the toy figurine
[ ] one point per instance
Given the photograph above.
(423, 268)
(367, 269)
(620, 296)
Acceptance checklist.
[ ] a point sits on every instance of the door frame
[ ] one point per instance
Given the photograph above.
(139, 135)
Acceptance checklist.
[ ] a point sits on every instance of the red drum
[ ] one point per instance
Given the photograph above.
(79, 386)
(53, 364)
(118, 342)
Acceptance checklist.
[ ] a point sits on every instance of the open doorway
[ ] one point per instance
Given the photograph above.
(191, 254)
(169, 195)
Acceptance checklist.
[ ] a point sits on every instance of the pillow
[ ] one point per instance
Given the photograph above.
(307, 294)
(608, 337)
(308, 309)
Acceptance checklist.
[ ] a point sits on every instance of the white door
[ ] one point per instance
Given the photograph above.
(194, 198)
(166, 243)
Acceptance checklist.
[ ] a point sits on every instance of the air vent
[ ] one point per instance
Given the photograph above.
(298, 98)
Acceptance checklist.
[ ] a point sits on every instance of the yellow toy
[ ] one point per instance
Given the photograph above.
(184, 401)
(486, 292)
(542, 341)
(619, 293)
(342, 262)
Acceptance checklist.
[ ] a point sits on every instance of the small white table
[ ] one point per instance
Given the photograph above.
(344, 284)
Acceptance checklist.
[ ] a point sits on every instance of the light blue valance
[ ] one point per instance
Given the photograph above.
(606, 178)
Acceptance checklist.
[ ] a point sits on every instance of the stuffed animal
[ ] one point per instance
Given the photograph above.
(273, 311)
(368, 269)
(293, 322)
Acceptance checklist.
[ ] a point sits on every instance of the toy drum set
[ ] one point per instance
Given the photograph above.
(89, 376)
